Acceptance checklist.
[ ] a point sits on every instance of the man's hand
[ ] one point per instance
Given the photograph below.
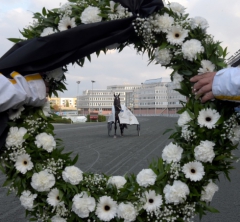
(203, 86)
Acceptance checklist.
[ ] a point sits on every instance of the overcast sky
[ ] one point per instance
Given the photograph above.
(126, 67)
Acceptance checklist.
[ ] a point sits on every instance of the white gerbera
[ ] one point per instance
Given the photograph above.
(184, 118)
(15, 136)
(15, 114)
(42, 181)
(57, 218)
(53, 198)
(118, 181)
(172, 153)
(190, 48)
(23, 163)
(27, 200)
(193, 170)
(199, 22)
(46, 108)
(163, 23)
(163, 56)
(236, 135)
(204, 151)
(46, 141)
(73, 175)
(208, 191)
(47, 31)
(177, 8)
(177, 79)
(146, 177)
(177, 193)
(106, 208)
(176, 35)
(66, 23)
(208, 118)
(127, 211)
(83, 204)
(207, 66)
(91, 15)
(152, 201)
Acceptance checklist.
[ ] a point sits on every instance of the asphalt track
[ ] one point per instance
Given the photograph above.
(129, 154)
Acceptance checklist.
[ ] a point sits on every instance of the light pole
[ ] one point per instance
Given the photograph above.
(78, 82)
(92, 91)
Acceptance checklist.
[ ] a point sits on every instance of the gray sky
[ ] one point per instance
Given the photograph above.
(126, 67)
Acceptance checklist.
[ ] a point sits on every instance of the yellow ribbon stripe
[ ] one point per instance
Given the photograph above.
(33, 77)
(235, 98)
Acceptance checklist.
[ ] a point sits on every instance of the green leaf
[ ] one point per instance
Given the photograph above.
(75, 160)
(40, 113)
(44, 12)
(15, 40)
(166, 131)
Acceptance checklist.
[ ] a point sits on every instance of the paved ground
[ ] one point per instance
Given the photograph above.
(128, 154)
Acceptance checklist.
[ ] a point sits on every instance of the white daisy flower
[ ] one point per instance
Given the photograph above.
(236, 135)
(152, 201)
(177, 193)
(191, 48)
(204, 151)
(199, 22)
(118, 181)
(73, 175)
(106, 208)
(66, 23)
(208, 191)
(177, 8)
(172, 153)
(176, 35)
(208, 118)
(193, 170)
(27, 200)
(55, 74)
(91, 15)
(53, 198)
(207, 66)
(23, 163)
(83, 204)
(146, 177)
(184, 118)
(127, 211)
(42, 181)
(57, 218)
(163, 56)
(15, 136)
(47, 31)
(163, 23)
(15, 114)
(177, 79)
(46, 141)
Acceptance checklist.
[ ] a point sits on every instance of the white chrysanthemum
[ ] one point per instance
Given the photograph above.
(55, 74)
(208, 191)
(204, 151)
(106, 208)
(177, 193)
(46, 141)
(66, 23)
(15, 136)
(190, 48)
(73, 175)
(42, 181)
(118, 181)
(91, 15)
(172, 153)
(184, 118)
(146, 177)
(47, 31)
(15, 114)
(152, 201)
(127, 211)
(58, 219)
(177, 8)
(53, 198)
(163, 56)
(83, 204)
(27, 200)
(193, 170)
(163, 23)
(207, 66)
(23, 163)
(176, 35)
(199, 22)
(236, 135)
(46, 108)
(208, 118)
(177, 79)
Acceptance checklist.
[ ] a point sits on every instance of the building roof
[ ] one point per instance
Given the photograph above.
(159, 80)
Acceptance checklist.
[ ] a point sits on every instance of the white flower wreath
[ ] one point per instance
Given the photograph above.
(177, 186)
